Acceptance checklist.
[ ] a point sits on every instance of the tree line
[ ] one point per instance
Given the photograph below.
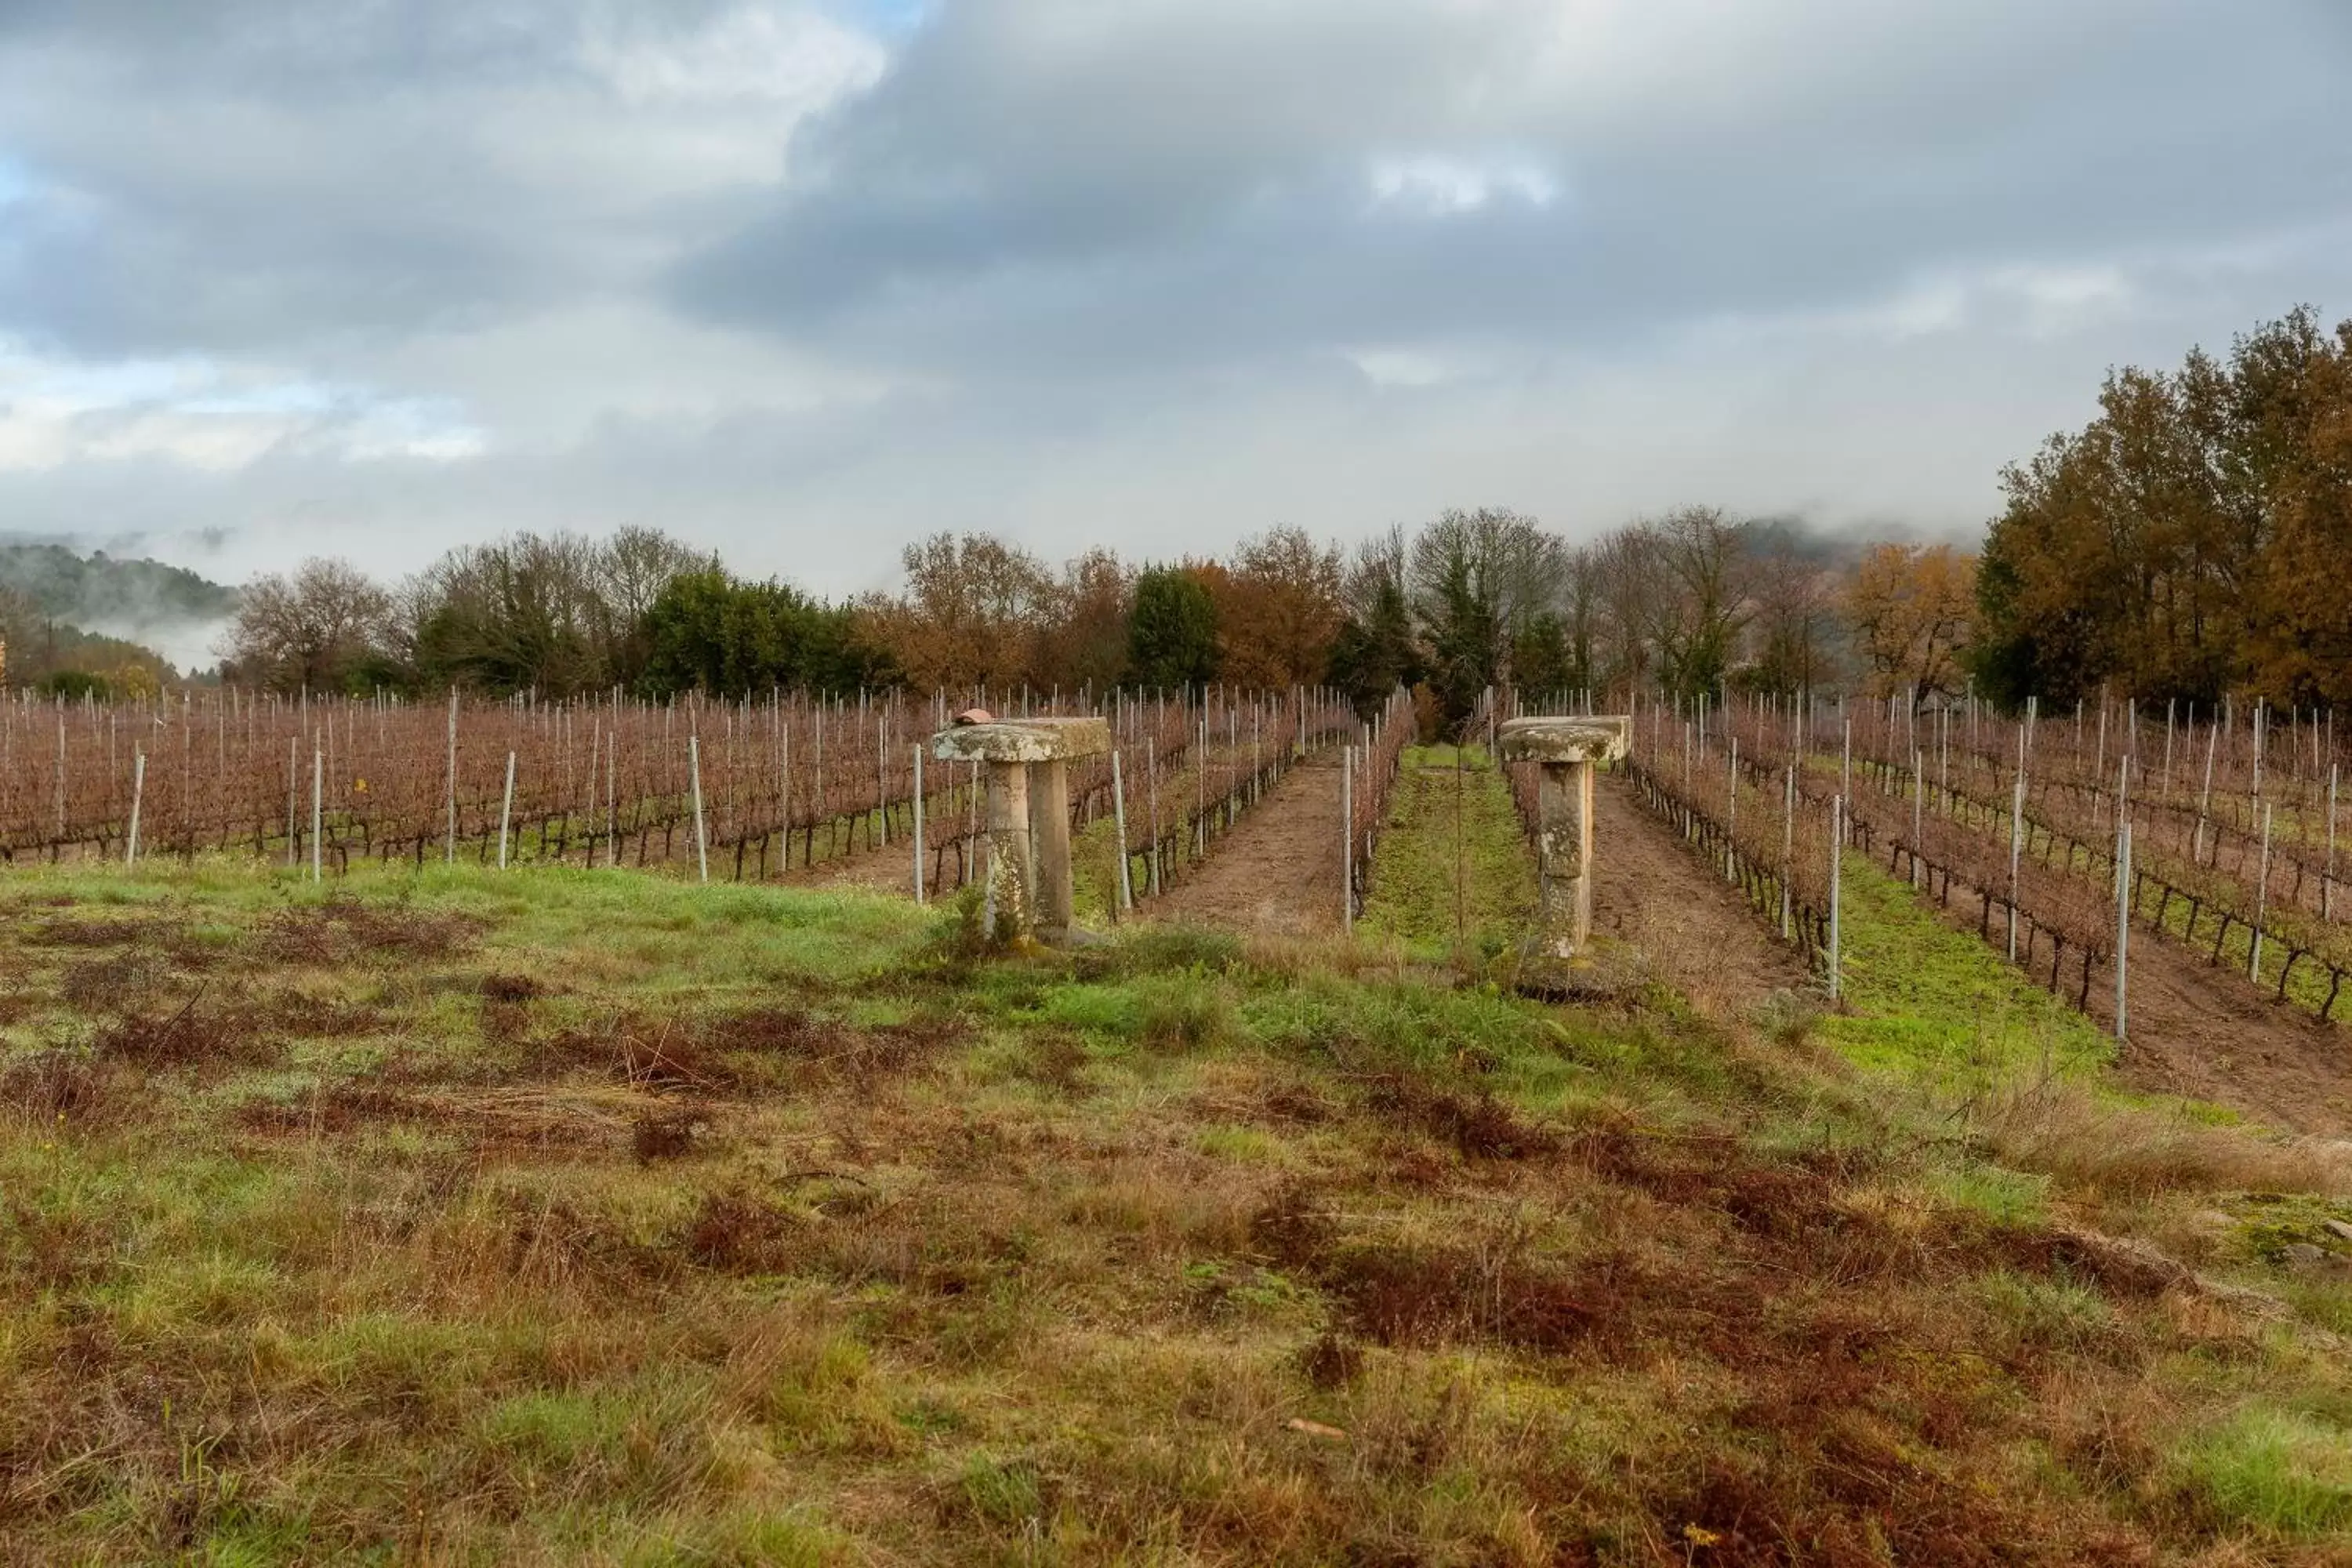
(2192, 541)
(1692, 602)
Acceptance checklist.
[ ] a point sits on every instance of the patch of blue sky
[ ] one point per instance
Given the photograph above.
(113, 384)
(298, 397)
(886, 19)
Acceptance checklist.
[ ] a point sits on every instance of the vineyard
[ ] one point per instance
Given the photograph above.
(2233, 818)
(2226, 828)
(473, 1202)
(742, 791)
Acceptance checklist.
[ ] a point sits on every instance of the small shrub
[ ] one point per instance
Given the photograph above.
(2276, 1469)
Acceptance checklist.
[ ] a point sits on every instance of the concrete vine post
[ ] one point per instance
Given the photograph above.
(1918, 809)
(2164, 788)
(2016, 847)
(920, 840)
(2262, 890)
(1837, 842)
(449, 854)
(138, 790)
(2205, 799)
(2123, 896)
(506, 811)
(1118, 825)
(1731, 812)
(1348, 838)
(1787, 852)
(1151, 785)
(2327, 878)
(318, 813)
(694, 779)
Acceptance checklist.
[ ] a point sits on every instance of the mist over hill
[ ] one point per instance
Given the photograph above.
(169, 609)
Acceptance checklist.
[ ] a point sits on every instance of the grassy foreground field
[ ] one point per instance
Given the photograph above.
(570, 1216)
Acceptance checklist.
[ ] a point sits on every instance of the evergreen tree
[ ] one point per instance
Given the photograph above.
(1171, 640)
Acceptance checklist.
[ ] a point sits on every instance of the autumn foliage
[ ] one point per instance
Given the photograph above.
(2193, 539)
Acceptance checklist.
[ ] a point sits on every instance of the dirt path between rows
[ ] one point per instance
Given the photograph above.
(883, 869)
(2196, 1029)
(1279, 870)
(1696, 930)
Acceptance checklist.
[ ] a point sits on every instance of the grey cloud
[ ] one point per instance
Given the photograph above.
(278, 174)
(1090, 271)
(1192, 187)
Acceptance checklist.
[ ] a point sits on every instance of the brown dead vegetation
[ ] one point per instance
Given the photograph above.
(1868, 1424)
(344, 930)
(747, 1050)
(1479, 1126)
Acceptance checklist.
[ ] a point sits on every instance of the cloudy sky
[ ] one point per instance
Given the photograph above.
(804, 281)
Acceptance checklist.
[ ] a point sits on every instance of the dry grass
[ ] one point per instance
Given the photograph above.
(1179, 1250)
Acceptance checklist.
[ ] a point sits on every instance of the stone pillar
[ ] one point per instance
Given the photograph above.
(1030, 888)
(1009, 873)
(1049, 838)
(1567, 749)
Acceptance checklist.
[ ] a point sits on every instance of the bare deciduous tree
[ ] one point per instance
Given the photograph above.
(313, 629)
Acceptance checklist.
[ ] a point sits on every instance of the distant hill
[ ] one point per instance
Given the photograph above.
(161, 608)
(97, 590)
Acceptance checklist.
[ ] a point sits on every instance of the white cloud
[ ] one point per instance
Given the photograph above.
(204, 417)
(1440, 186)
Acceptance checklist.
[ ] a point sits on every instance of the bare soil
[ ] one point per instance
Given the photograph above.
(1279, 870)
(2203, 1029)
(884, 869)
(1696, 930)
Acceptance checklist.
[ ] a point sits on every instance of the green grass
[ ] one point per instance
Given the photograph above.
(1451, 872)
(770, 1225)
(1927, 1000)
(2290, 1472)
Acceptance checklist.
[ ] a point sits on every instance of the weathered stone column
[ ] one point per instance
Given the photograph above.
(1567, 749)
(1028, 882)
(1009, 870)
(1049, 844)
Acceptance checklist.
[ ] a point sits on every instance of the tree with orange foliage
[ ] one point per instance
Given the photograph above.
(1278, 609)
(971, 612)
(1911, 607)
